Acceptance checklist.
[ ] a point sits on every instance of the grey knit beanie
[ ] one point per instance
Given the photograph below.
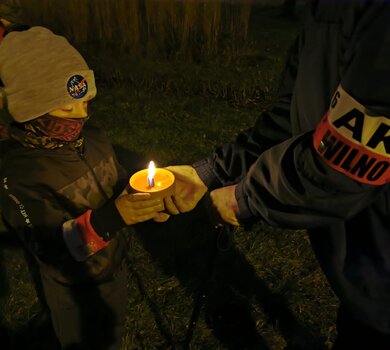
(41, 72)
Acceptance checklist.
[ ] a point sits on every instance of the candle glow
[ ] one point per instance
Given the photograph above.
(158, 182)
(151, 174)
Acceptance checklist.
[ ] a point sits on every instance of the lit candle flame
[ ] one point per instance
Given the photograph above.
(151, 173)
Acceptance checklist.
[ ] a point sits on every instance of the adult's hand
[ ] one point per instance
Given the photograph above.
(224, 201)
(139, 207)
(188, 192)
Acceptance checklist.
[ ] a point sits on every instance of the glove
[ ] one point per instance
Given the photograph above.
(138, 207)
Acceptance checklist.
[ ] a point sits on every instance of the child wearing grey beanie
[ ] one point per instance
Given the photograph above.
(66, 203)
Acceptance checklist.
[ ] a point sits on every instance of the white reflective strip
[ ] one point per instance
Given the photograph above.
(73, 241)
(342, 104)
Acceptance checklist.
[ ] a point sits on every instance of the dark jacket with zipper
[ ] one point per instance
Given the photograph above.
(42, 188)
(284, 179)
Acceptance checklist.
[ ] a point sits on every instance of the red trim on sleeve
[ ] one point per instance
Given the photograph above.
(2, 32)
(92, 241)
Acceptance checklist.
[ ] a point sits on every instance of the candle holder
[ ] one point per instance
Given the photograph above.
(163, 184)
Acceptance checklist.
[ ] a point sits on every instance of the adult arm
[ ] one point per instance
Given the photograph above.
(337, 170)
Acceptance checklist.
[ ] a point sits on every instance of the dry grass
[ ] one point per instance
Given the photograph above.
(154, 28)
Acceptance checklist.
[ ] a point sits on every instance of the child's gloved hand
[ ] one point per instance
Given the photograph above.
(139, 207)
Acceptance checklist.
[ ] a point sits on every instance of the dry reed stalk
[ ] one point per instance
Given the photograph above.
(101, 24)
(211, 25)
(190, 19)
(175, 14)
(159, 26)
(109, 20)
(171, 23)
(77, 23)
(149, 25)
(97, 25)
(236, 21)
(243, 22)
(155, 33)
(127, 13)
(48, 11)
(30, 11)
(156, 28)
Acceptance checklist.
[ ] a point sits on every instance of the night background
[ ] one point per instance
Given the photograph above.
(175, 79)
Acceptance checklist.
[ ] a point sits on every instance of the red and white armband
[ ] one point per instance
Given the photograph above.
(353, 141)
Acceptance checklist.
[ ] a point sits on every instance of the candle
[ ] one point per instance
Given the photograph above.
(158, 182)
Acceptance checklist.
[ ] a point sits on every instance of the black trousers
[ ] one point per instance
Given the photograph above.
(88, 316)
(353, 334)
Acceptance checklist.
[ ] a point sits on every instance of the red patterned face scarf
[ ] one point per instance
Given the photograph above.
(64, 129)
(49, 132)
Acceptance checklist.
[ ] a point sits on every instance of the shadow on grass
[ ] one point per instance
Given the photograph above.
(189, 248)
(224, 284)
(37, 333)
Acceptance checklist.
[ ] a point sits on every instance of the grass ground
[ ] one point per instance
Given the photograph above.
(175, 114)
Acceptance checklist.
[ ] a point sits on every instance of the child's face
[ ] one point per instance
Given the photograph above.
(74, 110)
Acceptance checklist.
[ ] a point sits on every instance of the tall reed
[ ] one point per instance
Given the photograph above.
(151, 28)
(78, 16)
(128, 17)
(189, 25)
(211, 25)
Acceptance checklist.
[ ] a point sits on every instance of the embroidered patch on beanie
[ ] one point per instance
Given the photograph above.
(77, 86)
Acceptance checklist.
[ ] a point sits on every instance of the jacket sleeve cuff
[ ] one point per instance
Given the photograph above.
(242, 201)
(106, 221)
(90, 232)
(80, 237)
(206, 174)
